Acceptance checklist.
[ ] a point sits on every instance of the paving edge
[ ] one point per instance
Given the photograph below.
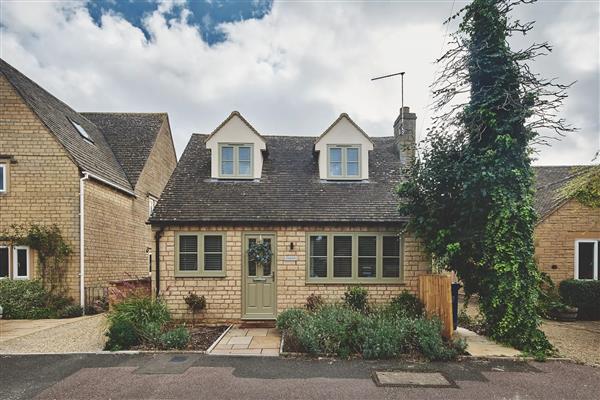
(510, 358)
(212, 346)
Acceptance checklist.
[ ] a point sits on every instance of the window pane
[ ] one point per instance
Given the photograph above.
(391, 246)
(352, 154)
(586, 260)
(226, 153)
(367, 267)
(352, 169)
(342, 267)
(188, 262)
(267, 267)
(227, 167)
(335, 169)
(2, 177)
(21, 262)
(244, 168)
(3, 262)
(342, 246)
(391, 267)
(213, 262)
(318, 246)
(244, 154)
(367, 246)
(188, 244)
(251, 264)
(318, 267)
(335, 154)
(213, 244)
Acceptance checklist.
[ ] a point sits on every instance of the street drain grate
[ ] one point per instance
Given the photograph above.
(178, 359)
(429, 379)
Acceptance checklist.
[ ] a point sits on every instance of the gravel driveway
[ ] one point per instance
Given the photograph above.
(81, 335)
(579, 340)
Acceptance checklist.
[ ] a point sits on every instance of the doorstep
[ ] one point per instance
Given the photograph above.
(241, 341)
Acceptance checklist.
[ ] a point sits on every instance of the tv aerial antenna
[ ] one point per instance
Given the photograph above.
(402, 95)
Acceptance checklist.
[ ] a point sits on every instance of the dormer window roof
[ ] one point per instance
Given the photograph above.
(236, 149)
(344, 151)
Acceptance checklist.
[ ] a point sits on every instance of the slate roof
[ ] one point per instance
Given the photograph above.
(289, 191)
(131, 137)
(96, 158)
(548, 184)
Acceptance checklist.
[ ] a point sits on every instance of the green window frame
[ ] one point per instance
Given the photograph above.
(200, 254)
(344, 161)
(236, 160)
(372, 257)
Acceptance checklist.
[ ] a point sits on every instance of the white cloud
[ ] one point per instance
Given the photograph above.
(291, 72)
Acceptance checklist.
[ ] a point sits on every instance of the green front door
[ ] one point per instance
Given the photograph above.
(259, 281)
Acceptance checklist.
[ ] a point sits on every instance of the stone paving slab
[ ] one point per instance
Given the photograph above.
(480, 346)
(249, 342)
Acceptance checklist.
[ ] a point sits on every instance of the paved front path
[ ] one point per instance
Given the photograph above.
(249, 342)
(480, 346)
(196, 376)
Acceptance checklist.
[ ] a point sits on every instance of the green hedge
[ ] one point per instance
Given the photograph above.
(583, 294)
(27, 299)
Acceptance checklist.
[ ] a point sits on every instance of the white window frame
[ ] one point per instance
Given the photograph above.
(596, 261)
(16, 262)
(4, 168)
(151, 204)
(344, 161)
(4, 246)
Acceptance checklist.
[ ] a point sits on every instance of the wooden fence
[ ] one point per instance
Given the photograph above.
(435, 293)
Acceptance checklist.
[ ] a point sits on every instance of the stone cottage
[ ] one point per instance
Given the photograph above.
(97, 176)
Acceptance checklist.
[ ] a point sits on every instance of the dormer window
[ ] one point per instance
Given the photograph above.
(344, 161)
(235, 160)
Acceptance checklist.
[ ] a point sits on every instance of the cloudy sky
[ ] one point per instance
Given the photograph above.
(289, 67)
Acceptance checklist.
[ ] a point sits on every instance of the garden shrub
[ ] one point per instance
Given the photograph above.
(286, 318)
(177, 338)
(406, 304)
(195, 303)
(583, 294)
(28, 299)
(314, 302)
(70, 311)
(356, 297)
(343, 331)
(121, 335)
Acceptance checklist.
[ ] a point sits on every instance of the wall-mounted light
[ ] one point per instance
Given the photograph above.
(291, 245)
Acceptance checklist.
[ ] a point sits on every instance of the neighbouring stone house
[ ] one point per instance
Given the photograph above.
(325, 205)
(97, 176)
(567, 235)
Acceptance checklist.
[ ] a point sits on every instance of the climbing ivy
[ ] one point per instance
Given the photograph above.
(585, 187)
(470, 192)
(52, 251)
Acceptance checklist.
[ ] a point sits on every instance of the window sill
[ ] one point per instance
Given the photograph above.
(199, 275)
(395, 282)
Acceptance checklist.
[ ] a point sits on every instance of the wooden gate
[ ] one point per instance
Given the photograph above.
(435, 293)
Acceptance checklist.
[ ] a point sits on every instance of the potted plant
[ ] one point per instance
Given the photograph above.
(562, 312)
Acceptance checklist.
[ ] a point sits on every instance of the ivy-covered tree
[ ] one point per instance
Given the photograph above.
(470, 193)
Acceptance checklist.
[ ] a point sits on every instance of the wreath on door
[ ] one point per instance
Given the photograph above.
(260, 253)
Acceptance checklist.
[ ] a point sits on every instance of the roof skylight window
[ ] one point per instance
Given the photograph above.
(82, 131)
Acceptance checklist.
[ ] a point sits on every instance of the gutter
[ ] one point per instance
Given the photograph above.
(85, 177)
(157, 236)
(121, 188)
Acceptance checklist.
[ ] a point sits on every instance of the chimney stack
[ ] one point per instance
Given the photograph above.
(405, 134)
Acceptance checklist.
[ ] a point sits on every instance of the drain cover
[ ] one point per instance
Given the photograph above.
(411, 379)
(178, 359)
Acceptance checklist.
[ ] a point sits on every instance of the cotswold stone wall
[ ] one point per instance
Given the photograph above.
(118, 241)
(43, 182)
(555, 238)
(224, 295)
